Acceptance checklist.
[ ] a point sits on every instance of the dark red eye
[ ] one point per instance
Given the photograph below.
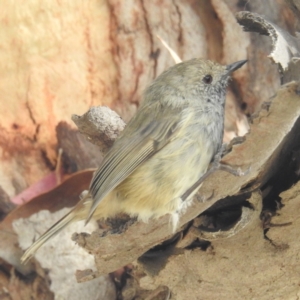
(207, 79)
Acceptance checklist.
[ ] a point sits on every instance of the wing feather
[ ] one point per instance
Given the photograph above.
(131, 150)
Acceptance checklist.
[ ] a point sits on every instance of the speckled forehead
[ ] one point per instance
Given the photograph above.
(208, 66)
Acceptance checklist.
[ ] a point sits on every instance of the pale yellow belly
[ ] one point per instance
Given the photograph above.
(155, 188)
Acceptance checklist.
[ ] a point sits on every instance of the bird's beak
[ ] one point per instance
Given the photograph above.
(232, 67)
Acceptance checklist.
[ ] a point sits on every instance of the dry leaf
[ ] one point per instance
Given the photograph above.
(64, 195)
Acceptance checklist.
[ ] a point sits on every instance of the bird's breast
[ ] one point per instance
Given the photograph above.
(151, 189)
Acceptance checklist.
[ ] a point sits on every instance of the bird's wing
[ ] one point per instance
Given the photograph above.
(133, 148)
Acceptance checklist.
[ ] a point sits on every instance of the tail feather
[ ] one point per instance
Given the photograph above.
(79, 212)
(51, 232)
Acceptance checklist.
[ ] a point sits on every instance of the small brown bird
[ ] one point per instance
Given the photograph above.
(164, 150)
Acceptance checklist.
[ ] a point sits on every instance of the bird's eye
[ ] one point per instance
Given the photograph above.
(207, 79)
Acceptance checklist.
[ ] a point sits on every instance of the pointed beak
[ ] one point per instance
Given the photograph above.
(232, 67)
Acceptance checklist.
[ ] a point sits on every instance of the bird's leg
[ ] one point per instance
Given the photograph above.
(226, 148)
(197, 184)
(214, 166)
(217, 165)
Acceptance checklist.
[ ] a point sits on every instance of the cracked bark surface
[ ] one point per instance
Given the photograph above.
(106, 52)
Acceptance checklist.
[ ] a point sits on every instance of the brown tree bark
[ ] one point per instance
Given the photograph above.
(61, 58)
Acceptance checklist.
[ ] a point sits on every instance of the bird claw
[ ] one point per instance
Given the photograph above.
(244, 173)
(202, 199)
(236, 172)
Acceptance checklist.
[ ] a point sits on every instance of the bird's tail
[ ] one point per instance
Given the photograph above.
(77, 213)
